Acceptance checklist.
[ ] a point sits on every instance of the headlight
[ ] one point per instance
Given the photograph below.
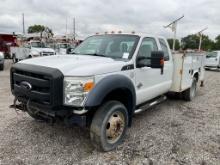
(76, 90)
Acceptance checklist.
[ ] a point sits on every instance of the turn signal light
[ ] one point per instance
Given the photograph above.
(88, 86)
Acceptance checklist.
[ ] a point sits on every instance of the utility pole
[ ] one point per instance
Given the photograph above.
(173, 26)
(200, 37)
(66, 29)
(74, 29)
(23, 23)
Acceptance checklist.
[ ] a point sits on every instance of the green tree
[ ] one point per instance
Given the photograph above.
(43, 30)
(217, 43)
(192, 42)
(177, 43)
(36, 29)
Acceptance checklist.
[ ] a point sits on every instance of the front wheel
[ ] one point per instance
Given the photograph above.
(190, 93)
(109, 126)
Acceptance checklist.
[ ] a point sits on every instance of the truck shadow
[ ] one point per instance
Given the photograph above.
(212, 70)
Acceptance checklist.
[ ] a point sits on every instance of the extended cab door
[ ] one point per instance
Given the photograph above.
(150, 83)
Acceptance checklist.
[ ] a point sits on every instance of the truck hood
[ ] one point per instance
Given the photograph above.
(78, 65)
(42, 49)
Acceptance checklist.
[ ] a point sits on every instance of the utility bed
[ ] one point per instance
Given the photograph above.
(185, 65)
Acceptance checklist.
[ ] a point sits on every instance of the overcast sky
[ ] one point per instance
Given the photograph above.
(148, 16)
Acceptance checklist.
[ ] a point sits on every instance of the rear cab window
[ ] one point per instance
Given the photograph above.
(164, 48)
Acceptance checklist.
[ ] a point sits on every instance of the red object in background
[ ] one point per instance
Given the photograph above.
(7, 40)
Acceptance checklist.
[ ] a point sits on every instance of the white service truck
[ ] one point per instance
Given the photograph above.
(106, 80)
(212, 60)
(29, 50)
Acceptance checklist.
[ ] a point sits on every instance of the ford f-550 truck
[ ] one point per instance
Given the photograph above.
(107, 79)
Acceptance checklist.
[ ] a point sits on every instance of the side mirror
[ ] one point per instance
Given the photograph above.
(157, 59)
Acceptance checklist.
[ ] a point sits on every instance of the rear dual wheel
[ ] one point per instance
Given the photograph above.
(109, 126)
(190, 93)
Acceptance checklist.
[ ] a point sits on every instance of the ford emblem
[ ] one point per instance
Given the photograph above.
(26, 85)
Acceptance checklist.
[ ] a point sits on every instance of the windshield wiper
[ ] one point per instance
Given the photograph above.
(95, 54)
(73, 53)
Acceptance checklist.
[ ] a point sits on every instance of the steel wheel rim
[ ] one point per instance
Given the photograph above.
(115, 127)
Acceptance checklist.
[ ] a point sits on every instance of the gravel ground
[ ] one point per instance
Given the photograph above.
(174, 132)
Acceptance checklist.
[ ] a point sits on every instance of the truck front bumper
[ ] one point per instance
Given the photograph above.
(68, 115)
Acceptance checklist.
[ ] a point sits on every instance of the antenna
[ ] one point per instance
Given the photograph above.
(23, 23)
(200, 37)
(66, 29)
(74, 29)
(173, 26)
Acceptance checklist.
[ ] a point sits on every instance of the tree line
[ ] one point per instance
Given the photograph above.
(192, 42)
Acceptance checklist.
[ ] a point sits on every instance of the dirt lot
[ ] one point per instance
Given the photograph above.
(174, 132)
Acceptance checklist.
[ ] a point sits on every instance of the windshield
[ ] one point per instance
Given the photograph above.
(113, 46)
(38, 45)
(212, 55)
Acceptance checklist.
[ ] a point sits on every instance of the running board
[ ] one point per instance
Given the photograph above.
(150, 104)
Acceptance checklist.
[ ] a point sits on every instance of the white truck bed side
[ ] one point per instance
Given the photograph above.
(185, 66)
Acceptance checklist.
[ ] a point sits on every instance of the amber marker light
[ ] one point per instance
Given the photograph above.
(88, 86)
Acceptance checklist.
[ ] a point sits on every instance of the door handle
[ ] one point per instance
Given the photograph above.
(145, 68)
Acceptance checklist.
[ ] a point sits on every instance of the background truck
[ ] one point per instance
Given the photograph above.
(61, 48)
(7, 40)
(2, 60)
(106, 80)
(29, 50)
(212, 60)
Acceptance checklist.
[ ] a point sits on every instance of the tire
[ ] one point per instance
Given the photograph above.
(110, 117)
(190, 93)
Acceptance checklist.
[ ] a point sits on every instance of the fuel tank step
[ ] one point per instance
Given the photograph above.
(147, 105)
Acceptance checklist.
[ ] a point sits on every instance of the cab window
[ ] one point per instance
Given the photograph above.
(147, 46)
(164, 48)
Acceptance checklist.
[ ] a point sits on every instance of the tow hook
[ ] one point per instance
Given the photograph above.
(17, 107)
